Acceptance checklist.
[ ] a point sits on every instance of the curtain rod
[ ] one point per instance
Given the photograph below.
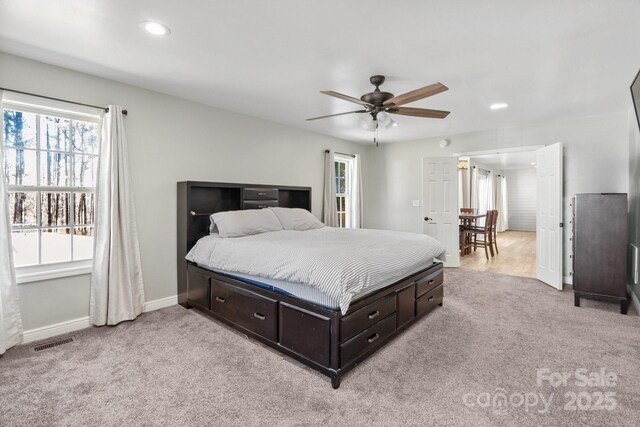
(106, 109)
(342, 154)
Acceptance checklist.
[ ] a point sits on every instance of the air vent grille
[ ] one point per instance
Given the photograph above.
(52, 344)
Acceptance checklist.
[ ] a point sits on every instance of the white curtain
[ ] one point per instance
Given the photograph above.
(330, 210)
(474, 193)
(117, 291)
(10, 320)
(489, 196)
(356, 193)
(502, 223)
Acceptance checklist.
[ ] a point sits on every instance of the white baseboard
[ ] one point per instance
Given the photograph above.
(634, 299)
(56, 329)
(567, 280)
(160, 303)
(69, 326)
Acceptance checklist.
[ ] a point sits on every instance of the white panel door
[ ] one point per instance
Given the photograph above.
(549, 215)
(440, 204)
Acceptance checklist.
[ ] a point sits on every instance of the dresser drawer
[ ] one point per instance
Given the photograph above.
(251, 311)
(430, 300)
(429, 282)
(259, 204)
(358, 321)
(366, 340)
(260, 193)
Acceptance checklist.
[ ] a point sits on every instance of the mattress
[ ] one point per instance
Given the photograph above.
(341, 264)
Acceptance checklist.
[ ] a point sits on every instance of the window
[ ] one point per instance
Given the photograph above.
(344, 200)
(50, 166)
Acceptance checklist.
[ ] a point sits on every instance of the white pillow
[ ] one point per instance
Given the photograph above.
(297, 219)
(245, 223)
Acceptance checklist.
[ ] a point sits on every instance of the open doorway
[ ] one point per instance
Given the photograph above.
(504, 183)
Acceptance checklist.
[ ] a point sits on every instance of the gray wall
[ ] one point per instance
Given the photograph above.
(596, 154)
(634, 188)
(521, 198)
(170, 140)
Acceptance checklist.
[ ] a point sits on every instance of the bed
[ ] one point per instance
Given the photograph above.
(285, 289)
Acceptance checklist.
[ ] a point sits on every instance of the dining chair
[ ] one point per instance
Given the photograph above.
(494, 234)
(481, 236)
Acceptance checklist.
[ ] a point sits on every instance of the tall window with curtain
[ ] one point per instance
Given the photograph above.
(348, 190)
(344, 200)
(50, 167)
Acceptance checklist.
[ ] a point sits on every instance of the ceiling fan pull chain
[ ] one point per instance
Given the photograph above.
(375, 134)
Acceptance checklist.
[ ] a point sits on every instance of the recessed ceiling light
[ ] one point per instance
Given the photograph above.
(498, 105)
(533, 163)
(155, 28)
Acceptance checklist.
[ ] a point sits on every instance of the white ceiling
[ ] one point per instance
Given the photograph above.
(548, 59)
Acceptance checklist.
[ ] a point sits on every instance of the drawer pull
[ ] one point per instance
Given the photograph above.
(432, 281)
(372, 338)
(262, 194)
(262, 206)
(220, 299)
(259, 316)
(374, 314)
(431, 298)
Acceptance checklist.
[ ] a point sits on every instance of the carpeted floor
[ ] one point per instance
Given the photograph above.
(176, 367)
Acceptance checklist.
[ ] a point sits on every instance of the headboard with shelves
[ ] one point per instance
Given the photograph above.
(198, 200)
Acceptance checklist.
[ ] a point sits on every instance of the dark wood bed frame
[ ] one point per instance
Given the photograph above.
(322, 338)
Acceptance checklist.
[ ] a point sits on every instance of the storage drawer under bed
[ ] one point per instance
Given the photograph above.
(359, 320)
(429, 282)
(366, 340)
(430, 300)
(254, 312)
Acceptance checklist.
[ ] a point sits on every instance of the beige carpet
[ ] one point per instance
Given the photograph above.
(176, 367)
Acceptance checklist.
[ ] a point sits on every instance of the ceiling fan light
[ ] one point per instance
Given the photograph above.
(366, 123)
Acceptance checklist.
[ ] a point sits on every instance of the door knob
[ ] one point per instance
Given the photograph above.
(426, 218)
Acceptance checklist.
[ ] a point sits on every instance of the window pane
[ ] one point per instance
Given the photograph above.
(84, 208)
(82, 243)
(23, 209)
(56, 245)
(54, 133)
(19, 129)
(84, 170)
(342, 170)
(55, 209)
(25, 247)
(85, 137)
(54, 169)
(20, 167)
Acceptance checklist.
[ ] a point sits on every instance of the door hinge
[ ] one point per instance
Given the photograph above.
(561, 224)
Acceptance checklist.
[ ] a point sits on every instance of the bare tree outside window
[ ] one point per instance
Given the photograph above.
(50, 166)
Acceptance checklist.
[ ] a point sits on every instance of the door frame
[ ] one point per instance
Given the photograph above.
(514, 150)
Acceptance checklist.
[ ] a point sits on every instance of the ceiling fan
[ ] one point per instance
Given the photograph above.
(378, 102)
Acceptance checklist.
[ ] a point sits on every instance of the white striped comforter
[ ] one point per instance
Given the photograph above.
(338, 262)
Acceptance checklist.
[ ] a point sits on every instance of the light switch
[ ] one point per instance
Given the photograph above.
(416, 203)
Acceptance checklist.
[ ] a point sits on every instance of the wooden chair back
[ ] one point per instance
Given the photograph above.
(466, 210)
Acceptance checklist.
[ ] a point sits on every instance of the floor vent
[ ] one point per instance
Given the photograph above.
(52, 344)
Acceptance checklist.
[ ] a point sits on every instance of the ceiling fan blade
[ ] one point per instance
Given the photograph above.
(338, 114)
(417, 94)
(346, 97)
(419, 112)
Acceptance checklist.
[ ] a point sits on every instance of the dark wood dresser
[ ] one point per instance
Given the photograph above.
(600, 247)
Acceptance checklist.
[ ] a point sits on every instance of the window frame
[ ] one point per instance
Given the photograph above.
(52, 270)
(349, 163)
